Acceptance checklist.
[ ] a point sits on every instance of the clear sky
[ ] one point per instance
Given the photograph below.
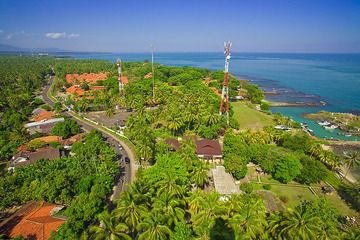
(182, 25)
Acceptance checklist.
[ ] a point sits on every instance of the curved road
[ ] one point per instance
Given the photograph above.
(127, 169)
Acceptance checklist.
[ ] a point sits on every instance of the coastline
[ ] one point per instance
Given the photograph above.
(297, 104)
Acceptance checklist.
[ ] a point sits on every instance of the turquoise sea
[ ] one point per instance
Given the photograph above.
(332, 78)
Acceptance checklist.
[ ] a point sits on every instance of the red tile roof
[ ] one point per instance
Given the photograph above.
(96, 88)
(203, 147)
(75, 89)
(124, 80)
(174, 143)
(148, 75)
(38, 224)
(208, 147)
(44, 115)
(80, 92)
(48, 139)
(90, 78)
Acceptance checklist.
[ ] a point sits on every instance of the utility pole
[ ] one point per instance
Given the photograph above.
(225, 89)
(153, 73)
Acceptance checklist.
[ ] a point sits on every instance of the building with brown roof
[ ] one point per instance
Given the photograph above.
(205, 148)
(37, 224)
(89, 78)
(208, 149)
(75, 89)
(48, 139)
(124, 80)
(174, 143)
(26, 157)
(148, 75)
(43, 115)
(73, 139)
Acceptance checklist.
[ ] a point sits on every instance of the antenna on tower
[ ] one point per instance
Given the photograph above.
(121, 84)
(225, 89)
(153, 74)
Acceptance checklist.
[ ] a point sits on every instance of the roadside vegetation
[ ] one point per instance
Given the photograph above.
(21, 78)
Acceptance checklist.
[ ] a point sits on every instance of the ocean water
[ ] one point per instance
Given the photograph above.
(332, 78)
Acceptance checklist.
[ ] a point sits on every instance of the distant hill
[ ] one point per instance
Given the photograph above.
(9, 48)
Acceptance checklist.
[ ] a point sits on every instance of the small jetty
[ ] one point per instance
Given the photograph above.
(297, 104)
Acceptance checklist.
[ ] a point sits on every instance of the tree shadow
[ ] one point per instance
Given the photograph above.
(221, 230)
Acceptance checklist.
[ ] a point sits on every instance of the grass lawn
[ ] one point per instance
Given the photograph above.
(294, 194)
(250, 118)
(338, 203)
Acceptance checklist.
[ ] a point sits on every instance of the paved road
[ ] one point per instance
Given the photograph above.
(127, 170)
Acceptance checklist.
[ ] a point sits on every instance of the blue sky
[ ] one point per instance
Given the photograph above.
(183, 25)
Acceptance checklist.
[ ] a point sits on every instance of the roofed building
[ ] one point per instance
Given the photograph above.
(43, 115)
(205, 148)
(44, 126)
(26, 157)
(36, 222)
(89, 78)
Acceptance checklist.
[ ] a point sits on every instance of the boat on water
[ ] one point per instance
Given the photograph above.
(331, 127)
(325, 123)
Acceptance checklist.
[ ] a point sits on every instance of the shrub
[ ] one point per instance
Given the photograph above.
(267, 187)
(247, 187)
(284, 199)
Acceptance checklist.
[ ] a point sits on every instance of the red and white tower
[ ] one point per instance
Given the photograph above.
(121, 84)
(225, 90)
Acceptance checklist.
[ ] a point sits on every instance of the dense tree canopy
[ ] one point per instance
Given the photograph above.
(66, 128)
(20, 78)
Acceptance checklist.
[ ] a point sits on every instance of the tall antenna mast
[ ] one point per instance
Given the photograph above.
(225, 89)
(121, 84)
(153, 77)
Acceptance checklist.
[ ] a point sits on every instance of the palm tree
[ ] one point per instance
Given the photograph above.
(170, 207)
(169, 184)
(174, 123)
(352, 160)
(129, 211)
(212, 118)
(315, 150)
(210, 209)
(199, 175)
(152, 228)
(110, 111)
(330, 159)
(274, 224)
(249, 221)
(300, 224)
(109, 229)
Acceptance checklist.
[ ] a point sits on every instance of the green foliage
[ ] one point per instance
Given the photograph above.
(287, 168)
(247, 187)
(254, 93)
(182, 231)
(297, 142)
(265, 106)
(267, 186)
(81, 182)
(235, 165)
(66, 128)
(312, 171)
(85, 86)
(20, 78)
